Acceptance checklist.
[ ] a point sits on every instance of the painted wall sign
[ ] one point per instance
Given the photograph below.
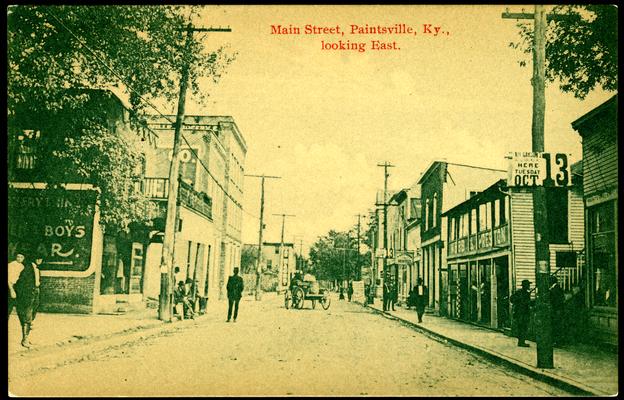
(59, 225)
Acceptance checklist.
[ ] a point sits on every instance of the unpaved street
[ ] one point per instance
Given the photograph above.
(346, 350)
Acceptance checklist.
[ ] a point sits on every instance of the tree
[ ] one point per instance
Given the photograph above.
(581, 47)
(249, 255)
(138, 49)
(333, 256)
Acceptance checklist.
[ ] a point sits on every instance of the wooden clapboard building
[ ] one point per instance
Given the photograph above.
(598, 130)
(491, 248)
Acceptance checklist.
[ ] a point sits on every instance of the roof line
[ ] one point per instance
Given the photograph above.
(474, 166)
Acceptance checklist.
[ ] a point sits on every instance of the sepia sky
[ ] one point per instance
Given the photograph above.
(323, 119)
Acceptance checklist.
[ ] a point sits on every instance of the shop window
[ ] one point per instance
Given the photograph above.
(602, 247)
(557, 206)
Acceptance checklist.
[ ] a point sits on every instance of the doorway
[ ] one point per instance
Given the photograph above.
(501, 264)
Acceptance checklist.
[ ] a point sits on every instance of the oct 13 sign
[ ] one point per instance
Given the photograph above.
(528, 169)
(58, 225)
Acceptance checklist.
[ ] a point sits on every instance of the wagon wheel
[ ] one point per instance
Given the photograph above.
(325, 302)
(313, 304)
(297, 298)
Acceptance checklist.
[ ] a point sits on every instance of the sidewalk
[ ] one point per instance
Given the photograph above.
(579, 368)
(57, 329)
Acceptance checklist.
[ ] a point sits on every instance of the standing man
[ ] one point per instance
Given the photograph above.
(521, 301)
(15, 268)
(387, 293)
(422, 297)
(27, 289)
(394, 295)
(557, 304)
(350, 291)
(234, 291)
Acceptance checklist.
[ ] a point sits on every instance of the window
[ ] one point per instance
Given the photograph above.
(434, 210)
(473, 221)
(276, 250)
(465, 219)
(269, 264)
(557, 206)
(452, 228)
(485, 216)
(427, 215)
(602, 248)
(497, 210)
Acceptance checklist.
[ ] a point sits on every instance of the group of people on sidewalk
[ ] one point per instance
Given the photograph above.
(24, 279)
(187, 301)
(418, 297)
(522, 308)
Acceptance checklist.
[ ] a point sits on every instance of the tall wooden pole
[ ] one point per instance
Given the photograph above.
(385, 165)
(166, 261)
(543, 323)
(258, 259)
(540, 212)
(258, 295)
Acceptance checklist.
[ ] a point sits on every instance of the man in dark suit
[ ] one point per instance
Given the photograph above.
(387, 293)
(234, 291)
(422, 298)
(27, 290)
(521, 301)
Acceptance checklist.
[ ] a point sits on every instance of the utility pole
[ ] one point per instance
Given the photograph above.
(358, 267)
(385, 166)
(166, 260)
(281, 249)
(258, 265)
(540, 213)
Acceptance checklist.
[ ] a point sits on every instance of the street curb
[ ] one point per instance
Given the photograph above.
(535, 373)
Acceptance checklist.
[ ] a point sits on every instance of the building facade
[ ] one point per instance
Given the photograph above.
(598, 130)
(491, 249)
(281, 259)
(443, 186)
(212, 158)
(86, 267)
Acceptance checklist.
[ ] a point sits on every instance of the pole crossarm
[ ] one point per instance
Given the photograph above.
(202, 29)
(531, 16)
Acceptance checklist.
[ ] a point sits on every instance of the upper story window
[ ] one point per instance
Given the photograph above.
(434, 210)
(497, 210)
(426, 214)
(473, 221)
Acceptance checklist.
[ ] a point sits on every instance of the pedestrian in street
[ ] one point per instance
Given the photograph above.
(177, 276)
(341, 296)
(14, 270)
(235, 288)
(521, 301)
(387, 293)
(27, 290)
(350, 291)
(394, 296)
(422, 296)
(557, 304)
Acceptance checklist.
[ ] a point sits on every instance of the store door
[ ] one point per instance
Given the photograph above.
(485, 272)
(502, 292)
(464, 293)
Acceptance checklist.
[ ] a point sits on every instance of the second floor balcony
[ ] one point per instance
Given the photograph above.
(158, 189)
(482, 241)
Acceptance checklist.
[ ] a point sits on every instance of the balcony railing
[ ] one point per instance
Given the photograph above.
(485, 240)
(158, 189)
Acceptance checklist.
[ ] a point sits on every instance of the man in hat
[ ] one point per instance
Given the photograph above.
(15, 268)
(235, 288)
(27, 290)
(521, 301)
